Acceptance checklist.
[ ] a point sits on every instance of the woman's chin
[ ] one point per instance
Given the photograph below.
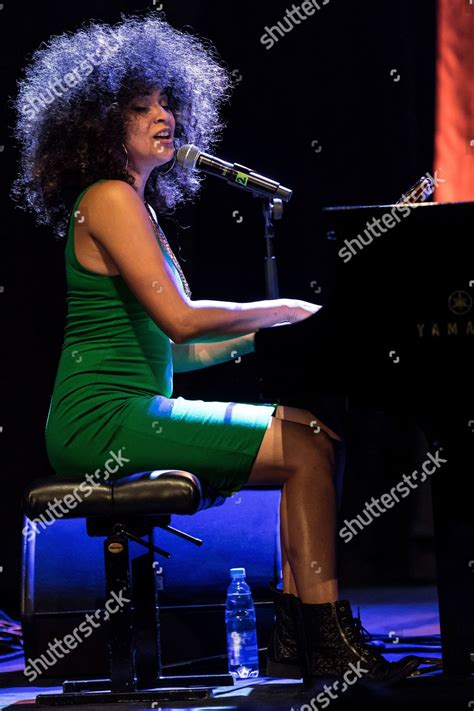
(162, 163)
(164, 156)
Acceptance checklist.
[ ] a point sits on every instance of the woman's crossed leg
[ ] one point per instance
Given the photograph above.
(298, 452)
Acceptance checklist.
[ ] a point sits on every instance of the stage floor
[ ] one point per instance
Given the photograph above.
(397, 612)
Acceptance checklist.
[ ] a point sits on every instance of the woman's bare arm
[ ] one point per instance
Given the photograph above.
(118, 220)
(195, 356)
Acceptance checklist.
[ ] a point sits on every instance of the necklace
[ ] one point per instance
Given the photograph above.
(164, 242)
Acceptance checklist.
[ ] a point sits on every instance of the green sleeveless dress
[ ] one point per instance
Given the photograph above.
(112, 412)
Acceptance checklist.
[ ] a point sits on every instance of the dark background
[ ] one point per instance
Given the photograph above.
(328, 80)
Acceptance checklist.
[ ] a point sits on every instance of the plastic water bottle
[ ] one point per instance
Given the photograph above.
(242, 647)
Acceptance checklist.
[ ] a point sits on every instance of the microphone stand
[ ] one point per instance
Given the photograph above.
(272, 210)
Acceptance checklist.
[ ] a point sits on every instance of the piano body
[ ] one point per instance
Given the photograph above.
(396, 332)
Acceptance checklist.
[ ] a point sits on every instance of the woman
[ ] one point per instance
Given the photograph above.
(101, 114)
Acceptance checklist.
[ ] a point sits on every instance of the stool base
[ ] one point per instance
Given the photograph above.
(168, 688)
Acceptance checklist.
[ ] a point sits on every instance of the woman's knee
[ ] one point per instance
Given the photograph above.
(289, 448)
(314, 450)
(305, 417)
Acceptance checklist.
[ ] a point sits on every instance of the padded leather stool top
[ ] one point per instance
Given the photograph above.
(162, 491)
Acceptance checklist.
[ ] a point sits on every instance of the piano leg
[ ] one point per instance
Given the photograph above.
(454, 543)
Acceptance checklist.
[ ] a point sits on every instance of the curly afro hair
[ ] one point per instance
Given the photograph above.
(73, 104)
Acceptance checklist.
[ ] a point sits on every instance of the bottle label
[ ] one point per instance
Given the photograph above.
(242, 648)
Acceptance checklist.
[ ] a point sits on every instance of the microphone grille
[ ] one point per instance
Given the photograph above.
(188, 155)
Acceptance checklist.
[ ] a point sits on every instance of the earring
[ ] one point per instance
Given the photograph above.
(126, 153)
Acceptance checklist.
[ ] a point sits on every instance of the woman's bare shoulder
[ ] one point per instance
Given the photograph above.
(110, 196)
(110, 189)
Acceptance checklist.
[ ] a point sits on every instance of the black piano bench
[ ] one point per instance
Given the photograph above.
(122, 510)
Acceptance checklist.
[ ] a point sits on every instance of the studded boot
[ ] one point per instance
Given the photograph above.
(283, 652)
(331, 640)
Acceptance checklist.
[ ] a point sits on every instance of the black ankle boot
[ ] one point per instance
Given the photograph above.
(283, 654)
(332, 639)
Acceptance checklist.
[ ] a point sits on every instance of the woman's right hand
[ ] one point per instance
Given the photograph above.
(295, 310)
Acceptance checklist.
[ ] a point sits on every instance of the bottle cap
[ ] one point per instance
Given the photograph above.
(237, 572)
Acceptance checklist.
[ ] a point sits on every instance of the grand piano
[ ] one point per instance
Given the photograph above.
(396, 332)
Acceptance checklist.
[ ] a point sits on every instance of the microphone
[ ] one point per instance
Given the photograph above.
(190, 156)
